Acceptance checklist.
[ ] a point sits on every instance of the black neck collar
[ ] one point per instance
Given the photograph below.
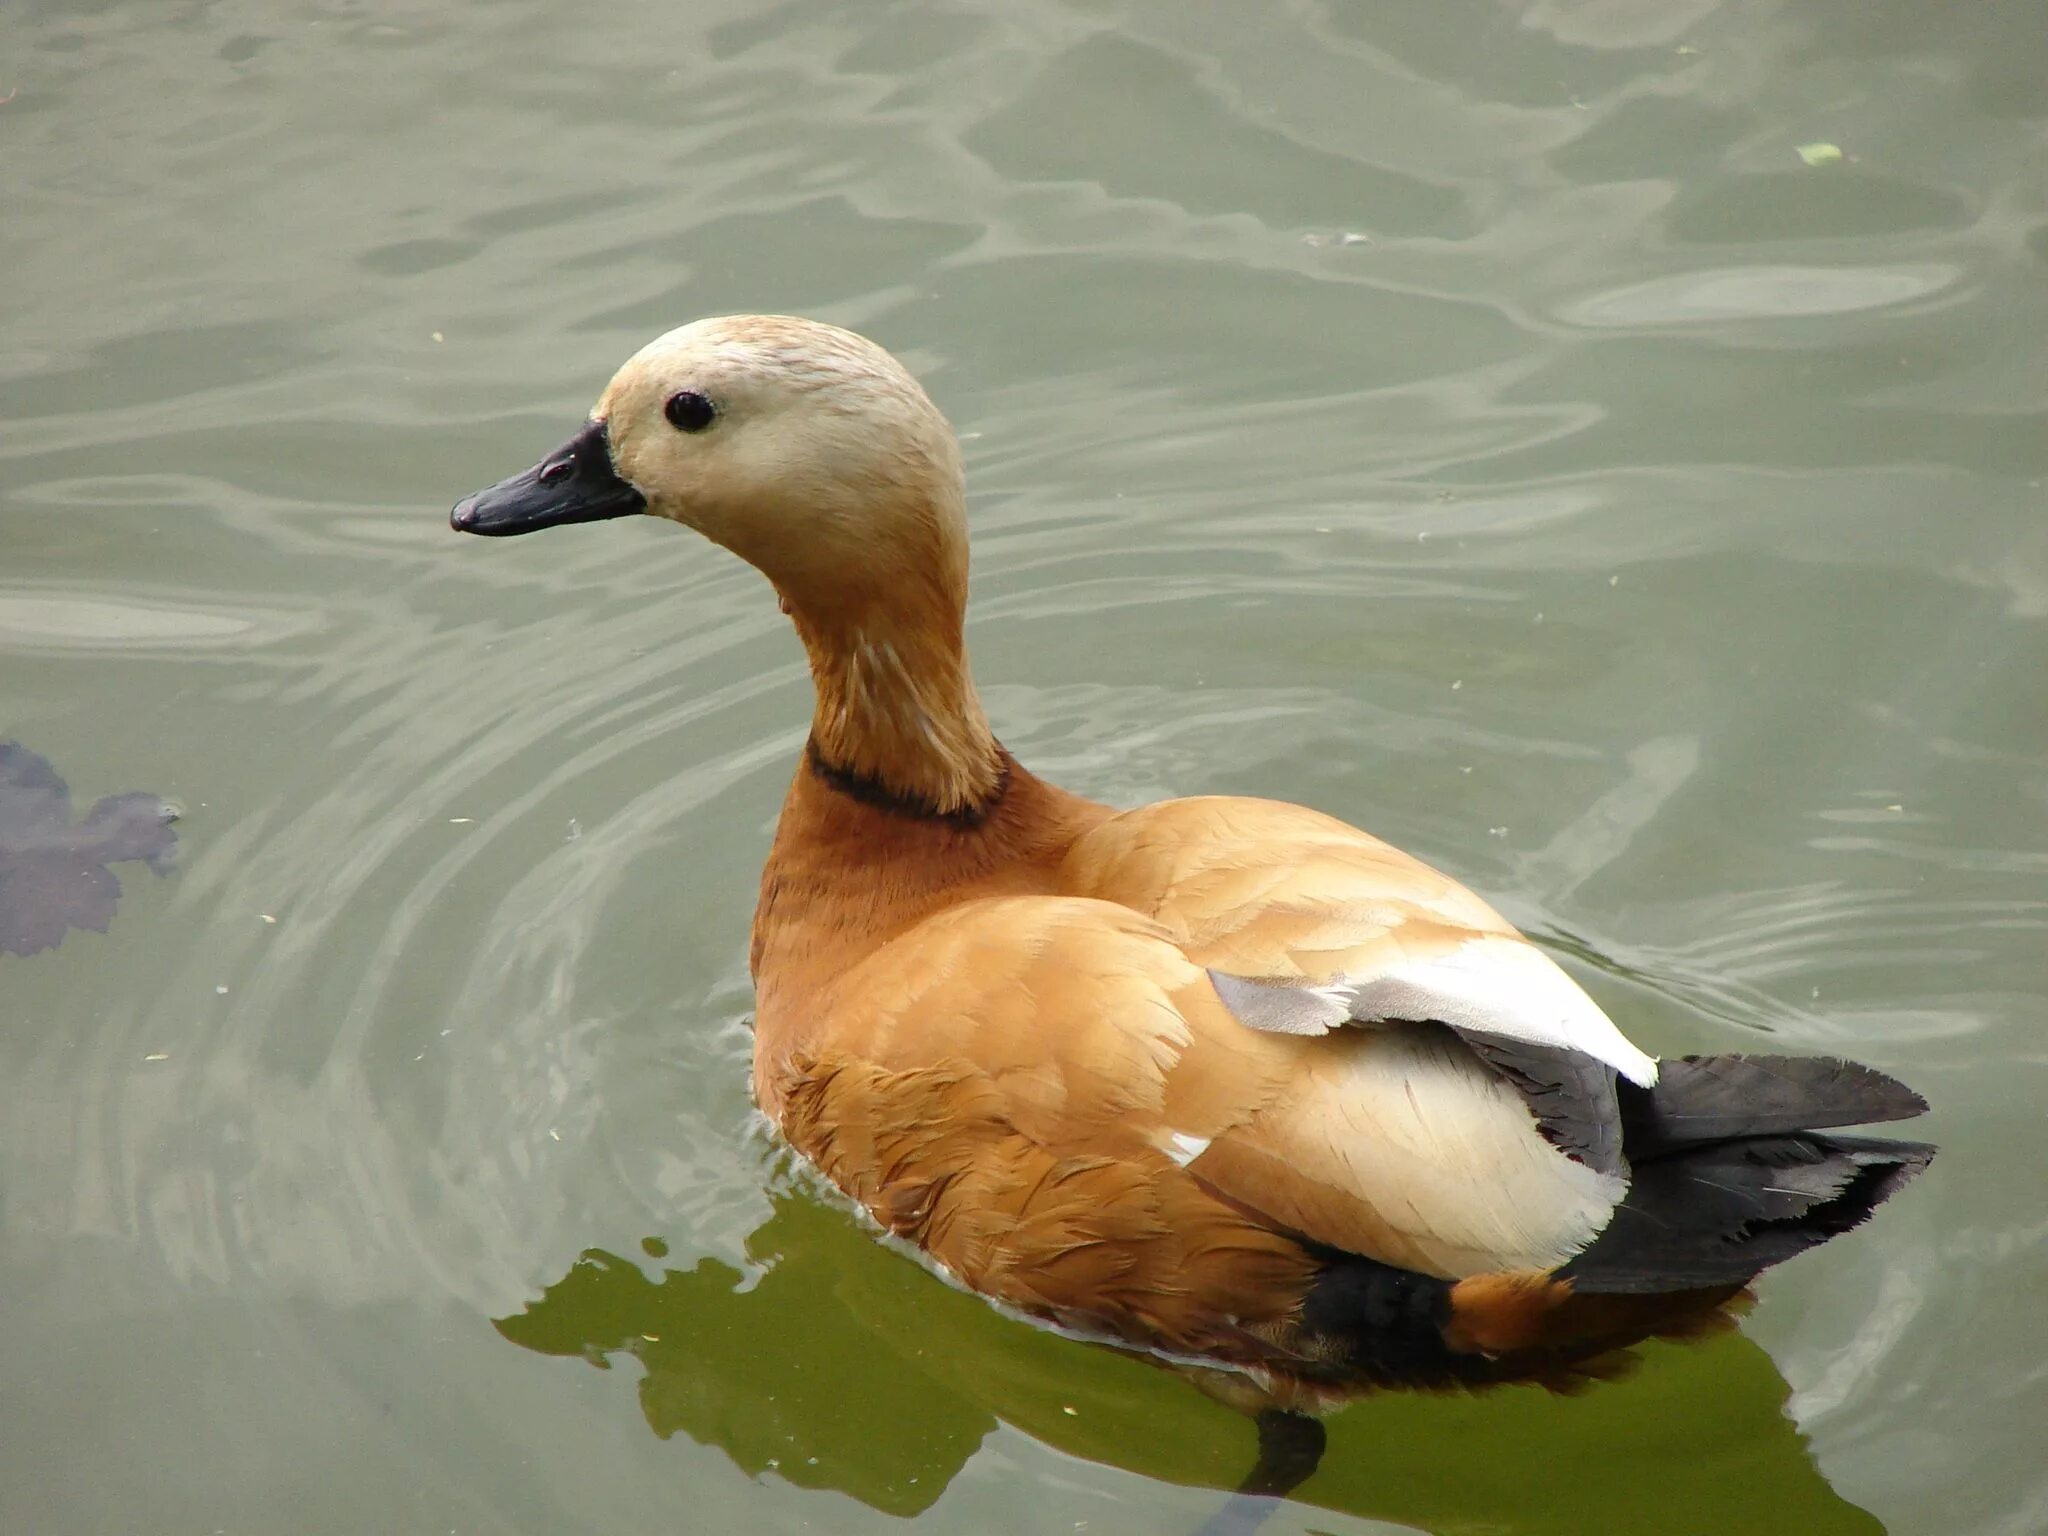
(871, 791)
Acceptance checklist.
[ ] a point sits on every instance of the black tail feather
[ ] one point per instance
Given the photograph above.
(1715, 1098)
(1728, 1175)
(1718, 1212)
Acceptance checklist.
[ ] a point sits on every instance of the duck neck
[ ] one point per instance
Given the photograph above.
(897, 717)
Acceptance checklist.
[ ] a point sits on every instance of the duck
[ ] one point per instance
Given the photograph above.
(1222, 1079)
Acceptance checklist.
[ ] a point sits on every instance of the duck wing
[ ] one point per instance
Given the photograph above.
(1309, 925)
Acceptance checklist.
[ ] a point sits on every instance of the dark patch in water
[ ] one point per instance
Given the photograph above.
(53, 871)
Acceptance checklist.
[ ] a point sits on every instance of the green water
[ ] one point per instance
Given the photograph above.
(1475, 419)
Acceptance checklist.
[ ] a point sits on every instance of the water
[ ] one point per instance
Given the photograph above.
(1477, 420)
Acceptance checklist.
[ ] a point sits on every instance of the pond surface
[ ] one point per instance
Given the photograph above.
(1599, 446)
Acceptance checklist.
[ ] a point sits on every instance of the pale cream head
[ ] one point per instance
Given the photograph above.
(825, 464)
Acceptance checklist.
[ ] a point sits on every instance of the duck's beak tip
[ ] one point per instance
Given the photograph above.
(574, 484)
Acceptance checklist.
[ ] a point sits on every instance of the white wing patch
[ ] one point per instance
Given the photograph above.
(1183, 1148)
(1491, 985)
(1279, 1008)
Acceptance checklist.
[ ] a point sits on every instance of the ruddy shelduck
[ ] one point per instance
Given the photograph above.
(1218, 1077)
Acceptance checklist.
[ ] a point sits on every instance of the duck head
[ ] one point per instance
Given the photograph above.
(806, 450)
(813, 455)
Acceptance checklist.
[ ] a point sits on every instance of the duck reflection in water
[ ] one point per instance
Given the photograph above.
(833, 1364)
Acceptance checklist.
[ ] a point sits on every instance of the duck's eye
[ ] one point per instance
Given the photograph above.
(688, 411)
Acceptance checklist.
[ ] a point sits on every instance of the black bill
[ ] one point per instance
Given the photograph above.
(574, 484)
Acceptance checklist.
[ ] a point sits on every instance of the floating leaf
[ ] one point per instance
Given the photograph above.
(1820, 153)
(53, 871)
